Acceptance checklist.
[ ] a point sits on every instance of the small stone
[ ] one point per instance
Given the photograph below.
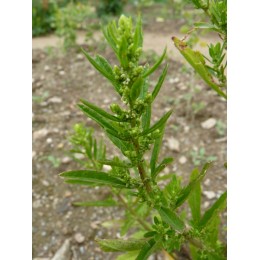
(80, 57)
(207, 182)
(79, 156)
(186, 129)
(67, 194)
(159, 20)
(62, 72)
(107, 101)
(206, 204)
(64, 252)
(66, 160)
(182, 160)
(40, 133)
(49, 140)
(173, 80)
(45, 183)
(209, 123)
(33, 154)
(55, 100)
(79, 238)
(173, 144)
(36, 204)
(60, 145)
(209, 194)
(46, 68)
(42, 77)
(38, 84)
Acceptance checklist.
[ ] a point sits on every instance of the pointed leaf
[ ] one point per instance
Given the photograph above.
(136, 88)
(185, 192)
(160, 82)
(171, 218)
(128, 256)
(99, 203)
(161, 166)
(95, 177)
(100, 111)
(138, 35)
(148, 249)
(120, 245)
(155, 66)
(214, 210)
(194, 198)
(158, 124)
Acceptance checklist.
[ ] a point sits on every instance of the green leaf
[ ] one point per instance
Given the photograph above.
(123, 146)
(161, 166)
(100, 111)
(197, 61)
(146, 118)
(214, 210)
(136, 88)
(128, 256)
(122, 52)
(171, 218)
(158, 124)
(194, 198)
(149, 248)
(160, 82)
(185, 192)
(95, 177)
(101, 69)
(80, 182)
(156, 65)
(120, 245)
(99, 119)
(138, 35)
(99, 203)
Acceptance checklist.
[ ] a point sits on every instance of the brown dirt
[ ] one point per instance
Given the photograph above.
(70, 77)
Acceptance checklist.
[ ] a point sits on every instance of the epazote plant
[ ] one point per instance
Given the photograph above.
(211, 69)
(153, 210)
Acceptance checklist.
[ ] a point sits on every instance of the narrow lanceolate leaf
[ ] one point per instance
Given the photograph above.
(146, 118)
(95, 177)
(197, 61)
(100, 67)
(171, 218)
(83, 183)
(128, 256)
(98, 118)
(100, 111)
(122, 52)
(161, 166)
(185, 192)
(159, 124)
(116, 163)
(136, 88)
(156, 150)
(99, 203)
(214, 210)
(156, 65)
(122, 145)
(147, 249)
(195, 198)
(120, 245)
(159, 83)
(138, 36)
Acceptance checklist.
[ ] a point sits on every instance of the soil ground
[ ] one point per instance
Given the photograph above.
(59, 81)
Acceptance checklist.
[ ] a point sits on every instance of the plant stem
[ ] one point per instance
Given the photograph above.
(143, 223)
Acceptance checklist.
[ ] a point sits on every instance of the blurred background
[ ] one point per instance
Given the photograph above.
(61, 76)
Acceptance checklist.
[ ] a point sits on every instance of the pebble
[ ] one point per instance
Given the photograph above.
(80, 57)
(64, 251)
(174, 80)
(79, 156)
(209, 194)
(38, 84)
(207, 182)
(60, 145)
(33, 154)
(173, 144)
(79, 238)
(66, 160)
(67, 194)
(206, 204)
(40, 133)
(107, 168)
(36, 204)
(49, 140)
(62, 72)
(46, 68)
(42, 77)
(209, 123)
(106, 101)
(45, 183)
(55, 100)
(182, 160)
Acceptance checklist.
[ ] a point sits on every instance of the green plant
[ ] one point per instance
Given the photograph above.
(221, 127)
(110, 7)
(150, 209)
(40, 99)
(70, 18)
(199, 157)
(212, 69)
